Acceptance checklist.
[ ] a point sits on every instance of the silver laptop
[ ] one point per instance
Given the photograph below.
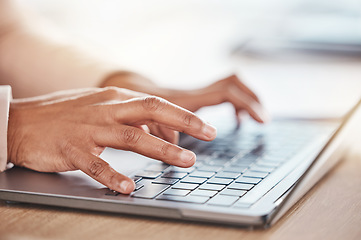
(248, 176)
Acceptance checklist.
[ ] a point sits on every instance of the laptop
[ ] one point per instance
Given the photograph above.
(247, 177)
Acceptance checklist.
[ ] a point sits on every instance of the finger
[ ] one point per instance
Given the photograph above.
(243, 101)
(241, 114)
(154, 130)
(169, 135)
(243, 87)
(102, 172)
(145, 128)
(238, 118)
(133, 139)
(154, 109)
(164, 133)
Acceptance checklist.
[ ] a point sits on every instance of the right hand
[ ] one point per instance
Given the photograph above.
(230, 89)
(69, 130)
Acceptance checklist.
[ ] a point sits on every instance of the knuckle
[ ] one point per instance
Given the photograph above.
(96, 168)
(67, 149)
(164, 149)
(153, 104)
(233, 79)
(188, 120)
(126, 92)
(111, 179)
(111, 115)
(130, 136)
(112, 93)
(70, 157)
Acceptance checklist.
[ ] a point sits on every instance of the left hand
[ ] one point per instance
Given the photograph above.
(230, 89)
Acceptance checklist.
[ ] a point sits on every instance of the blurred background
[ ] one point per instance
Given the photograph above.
(303, 57)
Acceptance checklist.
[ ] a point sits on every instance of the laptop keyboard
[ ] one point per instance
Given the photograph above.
(236, 169)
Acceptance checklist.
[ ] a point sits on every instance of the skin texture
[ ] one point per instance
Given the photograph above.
(230, 89)
(68, 130)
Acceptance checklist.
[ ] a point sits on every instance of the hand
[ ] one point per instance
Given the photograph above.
(69, 130)
(230, 89)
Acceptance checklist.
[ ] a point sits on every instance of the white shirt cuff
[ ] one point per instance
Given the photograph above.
(5, 98)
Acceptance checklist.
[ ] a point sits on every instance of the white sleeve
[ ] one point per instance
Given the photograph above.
(5, 97)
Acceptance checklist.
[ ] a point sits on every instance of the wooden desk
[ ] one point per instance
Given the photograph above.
(331, 210)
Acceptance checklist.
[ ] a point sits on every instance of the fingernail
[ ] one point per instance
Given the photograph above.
(124, 185)
(210, 131)
(265, 116)
(262, 113)
(187, 156)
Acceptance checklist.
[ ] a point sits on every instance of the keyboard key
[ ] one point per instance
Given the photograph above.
(172, 174)
(247, 158)
(233, 192)
(205, 193)
(197, 165)
(213, 187)
(264, 186)
(255, 174)
(236, 169)
(262, 163)
(187, 199)
(202, 158)
(145, 174)
(168, 181)
(240, 204)
(136, 179)
(240, 186)
(232, 175)
(209, 168)
(150, 191)
(217, 163)
(112, 193)
(177, 192)
(228, 154)
(242, 162)
(138, 185)
(180, 169)
(223, 181)
(196, 180)
(156, 167)
(248, 180)
(186, 186)
(207, 151)
(256, 168)
(222, 200)
(274, 158)
(202, 174)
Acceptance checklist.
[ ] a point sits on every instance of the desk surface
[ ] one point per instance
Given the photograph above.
(331, 210)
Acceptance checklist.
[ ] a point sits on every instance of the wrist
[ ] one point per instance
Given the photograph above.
(124, 79)
(13, 128)
(136, 82)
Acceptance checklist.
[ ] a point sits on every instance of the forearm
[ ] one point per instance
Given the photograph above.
(35, 60)
(136, 82)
